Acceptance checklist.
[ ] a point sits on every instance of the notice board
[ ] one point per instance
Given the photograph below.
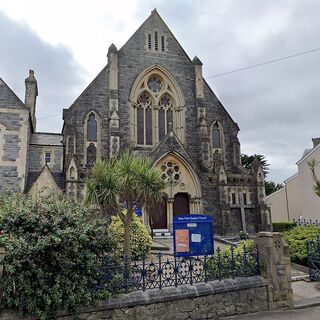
(193, 235)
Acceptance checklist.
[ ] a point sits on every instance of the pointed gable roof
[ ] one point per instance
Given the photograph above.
(155, 19)
(8, 99)
(170, 143)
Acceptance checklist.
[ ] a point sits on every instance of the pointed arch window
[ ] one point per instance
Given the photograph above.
(92, 137)
(92, 128)
(216, 136)
(156, 110)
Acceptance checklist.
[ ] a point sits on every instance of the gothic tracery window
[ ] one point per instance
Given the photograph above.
(155, 110)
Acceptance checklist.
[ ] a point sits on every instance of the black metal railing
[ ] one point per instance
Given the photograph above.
(164, 272)
(306, 223)
(314, 259)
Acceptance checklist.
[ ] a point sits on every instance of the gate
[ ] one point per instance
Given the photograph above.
(314, 259)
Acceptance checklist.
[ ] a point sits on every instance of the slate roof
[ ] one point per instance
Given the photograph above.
(47, 139)
(58, 177)
(8, 99)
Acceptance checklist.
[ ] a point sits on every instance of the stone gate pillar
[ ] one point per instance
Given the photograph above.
(276, 269)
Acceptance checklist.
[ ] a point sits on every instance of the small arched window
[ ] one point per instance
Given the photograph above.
(216, 136)
(92, 128)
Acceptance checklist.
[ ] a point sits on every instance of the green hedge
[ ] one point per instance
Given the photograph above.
(283, 226)
(53, 253)
(297, 240)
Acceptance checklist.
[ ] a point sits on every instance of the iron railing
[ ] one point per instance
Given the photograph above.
(314, 259)
(306, 223)
(164, 272)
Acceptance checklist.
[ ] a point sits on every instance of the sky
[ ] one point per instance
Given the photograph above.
(275, 105)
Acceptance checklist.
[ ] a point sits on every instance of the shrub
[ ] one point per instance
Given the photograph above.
(283, 226)
(224, 266)
(52, 256)
(297, 240)
(139, 235)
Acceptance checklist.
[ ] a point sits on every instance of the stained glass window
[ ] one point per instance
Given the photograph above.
(165, 101)
(155, 83)
(216, 138)
(92, 128)
(161, 124)
(148, 126)
(91, 154)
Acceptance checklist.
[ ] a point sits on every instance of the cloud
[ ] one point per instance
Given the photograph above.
(276, 105)
(60, 77)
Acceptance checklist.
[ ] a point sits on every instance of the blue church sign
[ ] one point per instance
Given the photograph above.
(192, 235)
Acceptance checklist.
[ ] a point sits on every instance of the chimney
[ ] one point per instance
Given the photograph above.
(31, 96)
(315, 141)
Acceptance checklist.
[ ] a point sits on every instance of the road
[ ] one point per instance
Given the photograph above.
(301, 314)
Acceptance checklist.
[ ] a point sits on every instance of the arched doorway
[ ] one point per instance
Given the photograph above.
(181, 204)
(158, 214)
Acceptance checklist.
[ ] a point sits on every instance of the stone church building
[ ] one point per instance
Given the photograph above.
(150, 98)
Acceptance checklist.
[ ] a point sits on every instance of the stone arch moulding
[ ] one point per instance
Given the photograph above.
(171, 88)
(189, 182)
(96, 143)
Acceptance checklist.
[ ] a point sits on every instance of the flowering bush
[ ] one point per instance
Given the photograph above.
(140, 238)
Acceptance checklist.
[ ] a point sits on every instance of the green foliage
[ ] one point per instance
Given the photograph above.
(312, 166)
(247, 161)
(283, 226)
(133, 179)
(297, 240)
(140, 238)
(225, 265)
(272, 187)
(54, 250)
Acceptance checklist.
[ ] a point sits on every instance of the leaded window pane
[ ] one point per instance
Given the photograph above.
(148, 126)
(155, 83)
(92, 128)
(169, 120)
(216, 139)
(91, 154)
(161, 124)
(140, 126)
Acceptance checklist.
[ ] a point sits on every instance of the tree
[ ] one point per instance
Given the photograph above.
(248, 160)
(124, 183)
(312, 165)
(271, 187)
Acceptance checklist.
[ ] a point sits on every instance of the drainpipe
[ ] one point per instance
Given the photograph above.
(285, 188)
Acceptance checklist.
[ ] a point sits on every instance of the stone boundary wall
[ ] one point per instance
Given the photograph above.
(210, 300)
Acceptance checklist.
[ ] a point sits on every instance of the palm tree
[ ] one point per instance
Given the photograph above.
(312, 165)
(122, 183)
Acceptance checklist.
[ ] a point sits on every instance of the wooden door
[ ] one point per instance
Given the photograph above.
(158, 215)
(181, 204)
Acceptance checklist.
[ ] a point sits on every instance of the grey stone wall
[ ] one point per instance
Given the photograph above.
(36, 157)
(12, 121)
(210, 300)
(11, 147)
(9, 178)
